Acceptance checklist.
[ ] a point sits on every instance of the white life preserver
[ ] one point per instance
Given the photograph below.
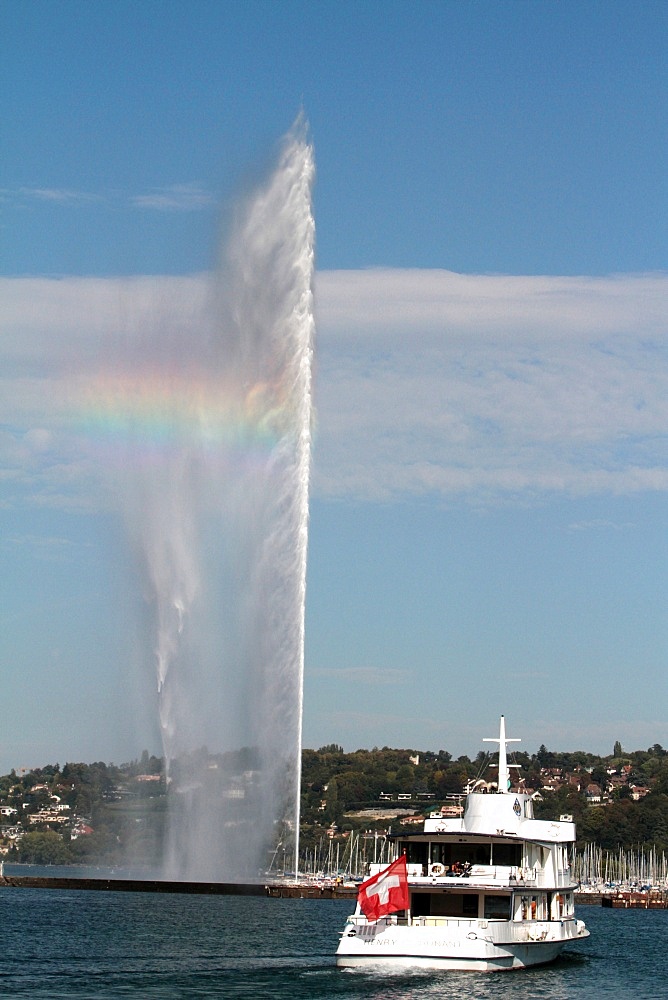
(436, 869)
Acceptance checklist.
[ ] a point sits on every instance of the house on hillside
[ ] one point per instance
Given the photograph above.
(594, 795)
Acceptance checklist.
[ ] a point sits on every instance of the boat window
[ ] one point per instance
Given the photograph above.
(507, 854)
(452, 904)
(416, 853)
(497, 907)
(447, 854)
(480, 854)
(533, 907)
(420, 904)
(440, 854)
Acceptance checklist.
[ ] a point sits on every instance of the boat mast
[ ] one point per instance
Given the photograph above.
(503, 785)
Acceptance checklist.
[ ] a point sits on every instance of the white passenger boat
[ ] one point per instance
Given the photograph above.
(490, 890)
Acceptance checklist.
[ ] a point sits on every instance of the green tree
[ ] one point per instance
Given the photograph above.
(405, 777)
(43, 848)
(332, 808)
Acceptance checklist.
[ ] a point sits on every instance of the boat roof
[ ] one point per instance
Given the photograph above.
(462, 836)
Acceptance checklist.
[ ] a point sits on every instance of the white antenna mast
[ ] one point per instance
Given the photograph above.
(504, 773)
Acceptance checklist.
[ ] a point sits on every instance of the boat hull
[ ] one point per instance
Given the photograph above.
(500, 963)
(424, 947)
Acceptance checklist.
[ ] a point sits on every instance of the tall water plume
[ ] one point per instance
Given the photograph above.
(219, 428)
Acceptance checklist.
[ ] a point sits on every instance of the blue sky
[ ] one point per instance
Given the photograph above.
(488, 526)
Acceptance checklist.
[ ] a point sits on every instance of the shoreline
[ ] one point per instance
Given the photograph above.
(281, 890)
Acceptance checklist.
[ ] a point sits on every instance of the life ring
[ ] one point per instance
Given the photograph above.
(436, 869)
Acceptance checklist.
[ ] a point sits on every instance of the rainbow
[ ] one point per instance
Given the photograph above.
(170, 410)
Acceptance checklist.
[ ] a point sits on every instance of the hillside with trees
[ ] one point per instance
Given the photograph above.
(106, 814)
(617, 801)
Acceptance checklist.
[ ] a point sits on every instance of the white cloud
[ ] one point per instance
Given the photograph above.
(175, 198)
(427, 382)
(401, 304)
(60, 196)
(187, 197)
(434, 383)
(599, 524)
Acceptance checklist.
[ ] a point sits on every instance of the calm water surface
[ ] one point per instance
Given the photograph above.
(77, 944)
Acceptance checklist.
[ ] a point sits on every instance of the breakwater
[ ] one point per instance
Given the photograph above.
(655, 900)
(636, 901)
(276, 890)
(132, 885)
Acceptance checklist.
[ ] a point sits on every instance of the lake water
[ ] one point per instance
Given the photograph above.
(77, 944)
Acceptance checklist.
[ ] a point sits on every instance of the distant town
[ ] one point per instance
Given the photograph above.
(107, 814)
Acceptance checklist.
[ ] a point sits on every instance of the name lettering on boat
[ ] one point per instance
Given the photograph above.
(386, 942)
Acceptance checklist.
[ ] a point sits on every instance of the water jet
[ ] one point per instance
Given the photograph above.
(215, 494)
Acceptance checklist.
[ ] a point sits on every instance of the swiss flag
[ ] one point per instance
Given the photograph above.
(385, 892)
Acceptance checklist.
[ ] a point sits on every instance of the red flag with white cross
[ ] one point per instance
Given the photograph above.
(385, 892)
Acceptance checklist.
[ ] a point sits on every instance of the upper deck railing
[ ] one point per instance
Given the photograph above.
(488, 928)
(481, 876)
